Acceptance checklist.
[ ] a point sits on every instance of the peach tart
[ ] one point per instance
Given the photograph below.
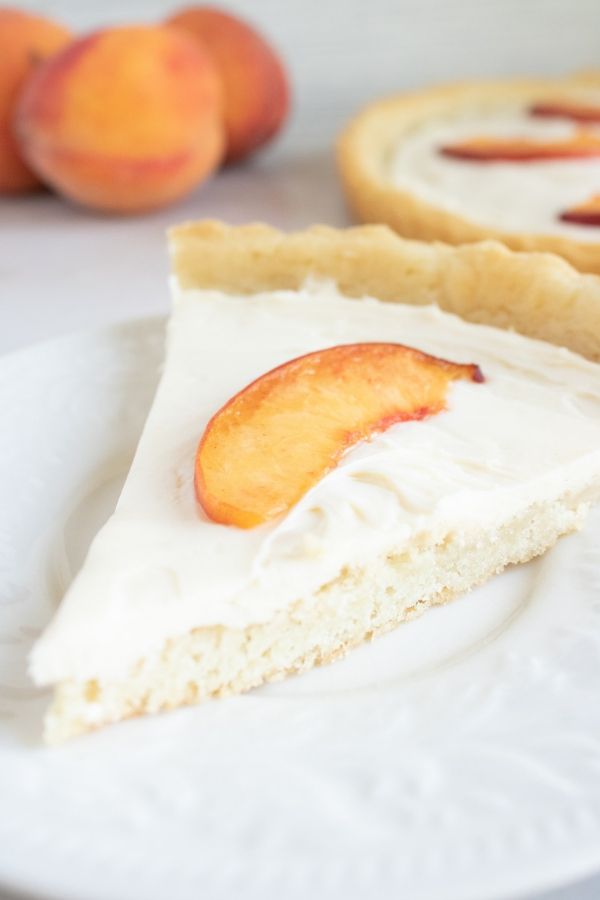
(517, 161)
(350, 428)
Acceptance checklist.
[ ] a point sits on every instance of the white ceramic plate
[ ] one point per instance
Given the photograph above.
(458, 757)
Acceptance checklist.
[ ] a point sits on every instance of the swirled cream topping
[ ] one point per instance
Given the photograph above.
(510, 196)
(159, 567)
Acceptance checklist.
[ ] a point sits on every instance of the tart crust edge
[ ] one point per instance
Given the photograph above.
(536, 294)
(363, 145)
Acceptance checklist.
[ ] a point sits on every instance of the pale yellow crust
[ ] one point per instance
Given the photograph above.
(365, 145)
(217, 661)
(537, 294)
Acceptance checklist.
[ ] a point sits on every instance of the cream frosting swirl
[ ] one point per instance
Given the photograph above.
(510, 196)
(159, 567)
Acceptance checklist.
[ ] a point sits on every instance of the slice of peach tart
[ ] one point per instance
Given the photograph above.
(349, 429)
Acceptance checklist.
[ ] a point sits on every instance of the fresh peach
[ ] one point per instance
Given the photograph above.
(256, 92)
(125, 119)
(274, 440)
(562, 109)
(587, 213)
(496, 149)
(25, 40)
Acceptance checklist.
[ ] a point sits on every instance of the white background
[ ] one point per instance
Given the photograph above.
(63, 269)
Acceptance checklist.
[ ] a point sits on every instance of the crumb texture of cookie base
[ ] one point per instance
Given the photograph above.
(366, 149)
(356, 607)
(436, 508)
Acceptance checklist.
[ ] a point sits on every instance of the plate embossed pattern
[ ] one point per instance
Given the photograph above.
(474, 775)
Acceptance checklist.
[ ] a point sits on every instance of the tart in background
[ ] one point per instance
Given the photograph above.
(517, 161)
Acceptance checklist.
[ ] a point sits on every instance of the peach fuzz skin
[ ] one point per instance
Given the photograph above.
(255, 85)
(25, 41)
(124, 120)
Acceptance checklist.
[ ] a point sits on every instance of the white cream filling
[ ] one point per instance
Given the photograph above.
(159, 567)
(527, 196)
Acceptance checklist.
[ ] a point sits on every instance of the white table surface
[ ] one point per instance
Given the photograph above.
(64, 269)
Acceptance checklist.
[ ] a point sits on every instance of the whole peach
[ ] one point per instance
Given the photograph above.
(25, 40)
(256, 90)
(125, 119)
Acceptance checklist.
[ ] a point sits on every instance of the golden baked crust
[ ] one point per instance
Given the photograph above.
(536, 294)
(363, 149)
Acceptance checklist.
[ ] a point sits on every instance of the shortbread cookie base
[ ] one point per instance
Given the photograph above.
(358, 605)
(536, 294)
(365, 145)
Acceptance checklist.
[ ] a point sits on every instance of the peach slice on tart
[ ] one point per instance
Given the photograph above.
(586, 213)
(583, 113)
(489, 149)
(275, 439)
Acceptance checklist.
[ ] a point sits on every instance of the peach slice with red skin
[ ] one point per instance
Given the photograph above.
(488, 149)
(587, 213)
(275, 439)
(563, 109)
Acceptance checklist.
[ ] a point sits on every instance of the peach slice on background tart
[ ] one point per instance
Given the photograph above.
(263, 450)
(586, 213)
(486, 149)
(393, 172)
(585, 114)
